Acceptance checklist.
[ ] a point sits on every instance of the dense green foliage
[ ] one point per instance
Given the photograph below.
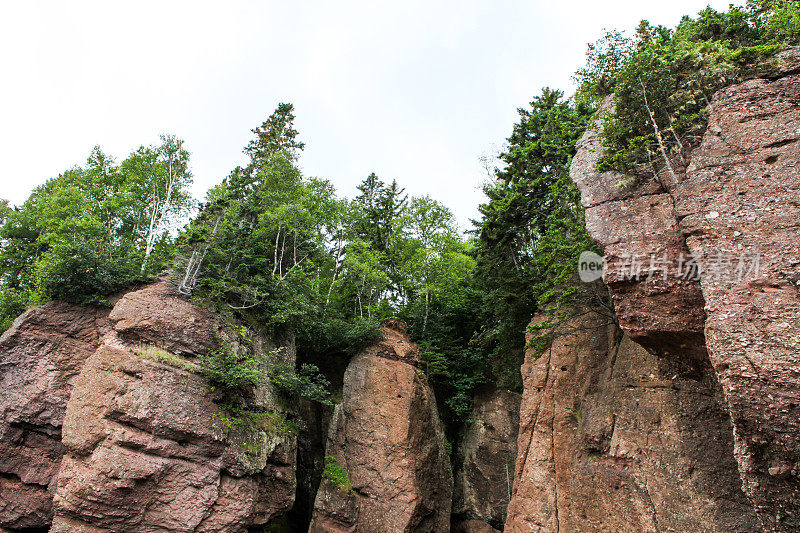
(230, 369)
(662, 79)
(283, 252)
(336, 475)
(306, 381)
(94, 229)
(80, 272)
(532, 230)
(523, 261)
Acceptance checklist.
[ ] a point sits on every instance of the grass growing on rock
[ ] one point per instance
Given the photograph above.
(273, 423)
(336, 475)
(160, 355)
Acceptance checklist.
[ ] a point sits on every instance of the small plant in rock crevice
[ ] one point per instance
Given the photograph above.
(336, 475)
(575, 412)
(272, 422)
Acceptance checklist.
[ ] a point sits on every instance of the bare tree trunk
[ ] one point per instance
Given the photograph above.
(159, 214)
(658, 135)
(280, 260)
(677, 140)
(150, 231)
(335, 272)
(427, 308)
(195, 262)
(275, 256)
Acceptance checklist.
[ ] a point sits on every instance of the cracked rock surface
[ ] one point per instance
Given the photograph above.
(108, 427)
(386, 436)
(41, 355)
(734, 209)
(614, 438)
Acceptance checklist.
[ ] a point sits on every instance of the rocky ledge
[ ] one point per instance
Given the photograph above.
(733, 211)
(108, 426)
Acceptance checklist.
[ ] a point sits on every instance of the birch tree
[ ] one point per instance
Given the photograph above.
(165, 178)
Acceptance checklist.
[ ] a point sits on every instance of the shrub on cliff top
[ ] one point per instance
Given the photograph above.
(662, 80)
(95, 229)
(83, 272)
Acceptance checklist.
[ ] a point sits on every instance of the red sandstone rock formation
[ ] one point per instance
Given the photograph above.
(155, 315)
(148, 448)
(386, 436)
(634, 221)
(616, 439)
(144, 446)
(485, 457)
(737, 200)
(41, 355)
(741, 199)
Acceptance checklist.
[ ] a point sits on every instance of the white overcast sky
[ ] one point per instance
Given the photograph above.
(412, 90)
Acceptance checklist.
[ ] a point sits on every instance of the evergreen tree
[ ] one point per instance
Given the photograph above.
(532, 228)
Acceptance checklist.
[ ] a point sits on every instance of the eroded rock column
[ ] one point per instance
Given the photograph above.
(614, 438)
(389, 470)
(734, 211)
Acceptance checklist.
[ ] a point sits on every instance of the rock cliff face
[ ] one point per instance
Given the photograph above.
(633, 221)
(108, 426)
(741, 198)
(41, 355)
(387, 444)
(682, 415)
(149, 449)
(734, 212)
(614, 438)
(485, 462)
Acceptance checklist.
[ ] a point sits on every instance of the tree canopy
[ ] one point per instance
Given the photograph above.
(282, 251)
(94, 229)
(662, 79)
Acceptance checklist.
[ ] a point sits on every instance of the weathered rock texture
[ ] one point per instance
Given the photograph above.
(613, 438)
(148, 447)
(473, 526)
(386, 435)
(107, 426)
(635, 221)
(41, 355)
(735, 209)
(486, 454)
(741, 195)
(154, 315)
